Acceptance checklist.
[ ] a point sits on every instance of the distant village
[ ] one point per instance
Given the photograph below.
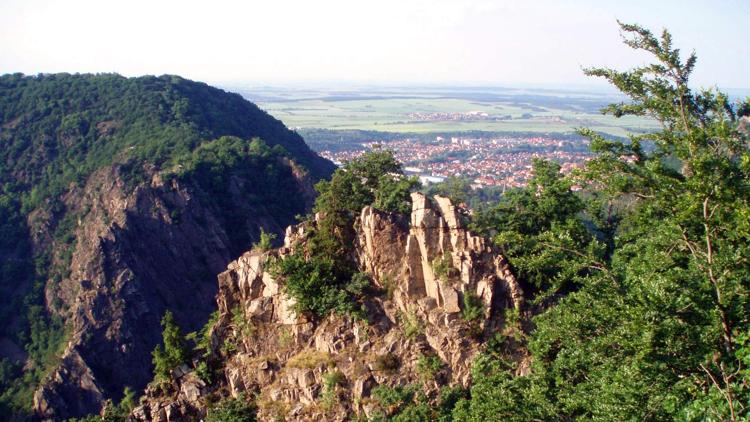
(498, 161)
(468, 116)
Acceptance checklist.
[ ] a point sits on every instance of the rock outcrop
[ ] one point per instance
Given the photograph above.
(427, 266)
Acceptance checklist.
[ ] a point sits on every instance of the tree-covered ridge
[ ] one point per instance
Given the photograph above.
(57, 130)
(68, 125)
(220, 169)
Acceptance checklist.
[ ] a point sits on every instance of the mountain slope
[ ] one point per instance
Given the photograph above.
(122, 198)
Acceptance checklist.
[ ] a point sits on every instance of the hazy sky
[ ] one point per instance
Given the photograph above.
(377, 41)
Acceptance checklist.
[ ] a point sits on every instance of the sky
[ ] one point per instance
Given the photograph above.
(457, 42)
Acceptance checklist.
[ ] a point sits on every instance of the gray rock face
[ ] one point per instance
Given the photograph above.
(436, 233)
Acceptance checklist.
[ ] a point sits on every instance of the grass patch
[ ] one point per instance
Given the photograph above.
(310, 359)
(411, 324)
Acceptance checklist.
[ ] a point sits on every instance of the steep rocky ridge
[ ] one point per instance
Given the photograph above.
(269, 349)
(138, 254)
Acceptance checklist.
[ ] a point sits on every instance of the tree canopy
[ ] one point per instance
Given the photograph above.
(654, 251)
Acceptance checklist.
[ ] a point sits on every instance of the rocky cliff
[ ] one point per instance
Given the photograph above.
(444, 292)
(140, 252)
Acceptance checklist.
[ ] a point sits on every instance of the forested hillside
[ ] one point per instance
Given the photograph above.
(63, 138)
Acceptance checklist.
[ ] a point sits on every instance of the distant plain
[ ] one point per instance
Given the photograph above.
(509, 110)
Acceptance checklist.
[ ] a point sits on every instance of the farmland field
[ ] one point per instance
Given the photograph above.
(397, 110)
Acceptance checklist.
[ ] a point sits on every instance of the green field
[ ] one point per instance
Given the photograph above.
(389, 111)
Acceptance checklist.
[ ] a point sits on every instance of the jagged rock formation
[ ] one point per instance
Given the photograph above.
(425, 266)
(139, 253)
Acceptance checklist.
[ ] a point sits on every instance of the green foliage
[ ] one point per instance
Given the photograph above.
(202, 338)
(229, 168)
(496, 394)
(44, 342)
(207, 367)
(374, 178)
(237, 409)
(173, 353)
(387, 362)
(447, 400)
(324, 278)
(331, 380)
(113, 412)
(318, 285)
(390, 397)
(266, 241)
(411, 324)
(457, 189)
(428, 366)
(647, 268)
(473, 309)
(401, 404)
(539, 228)
(442, 267)
(241, 323)
(89, 418)
(393, 193)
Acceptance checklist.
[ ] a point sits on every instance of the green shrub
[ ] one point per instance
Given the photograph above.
(391, 397)
(473, 309)
(411, 325)
(331, 380)
(241, 323)
(266, 241)
(442, 267)
(237, 409)
(386, 363)
(404, 404)
(174, 352)
(393, 193)
(429, 366)
(320, 286)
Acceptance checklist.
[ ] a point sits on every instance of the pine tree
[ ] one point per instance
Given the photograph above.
(174, 352)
